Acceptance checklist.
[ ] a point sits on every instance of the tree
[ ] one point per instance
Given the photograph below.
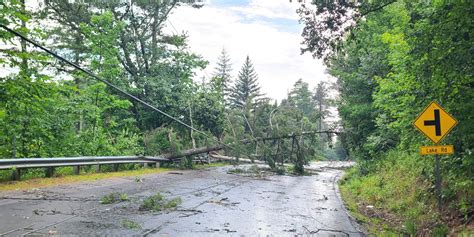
(326, 26)
(300, 97)
(321, 101)
(222, 73)
(156, 67)
(390, 64)
(245, 93)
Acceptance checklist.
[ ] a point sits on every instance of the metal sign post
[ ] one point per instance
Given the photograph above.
(435, 123)
(438, 182)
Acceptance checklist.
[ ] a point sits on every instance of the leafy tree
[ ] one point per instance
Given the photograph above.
(327, 25)
(394, 59)
(155, 67)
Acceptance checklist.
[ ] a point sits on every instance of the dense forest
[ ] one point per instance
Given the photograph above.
(50, 109)
(392, 58)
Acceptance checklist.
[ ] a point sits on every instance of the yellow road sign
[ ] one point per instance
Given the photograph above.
(435, 122)
(437, 150)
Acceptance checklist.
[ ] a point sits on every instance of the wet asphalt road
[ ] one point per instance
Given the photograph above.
(214, 204)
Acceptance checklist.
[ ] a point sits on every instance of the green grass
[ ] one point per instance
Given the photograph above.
(83, 177)
(400, 189)
(372, 225)
(35, 178)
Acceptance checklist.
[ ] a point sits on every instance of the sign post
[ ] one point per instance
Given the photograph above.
(438, 180)
(435, 123)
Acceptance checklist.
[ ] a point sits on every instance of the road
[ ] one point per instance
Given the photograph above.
(214, 203)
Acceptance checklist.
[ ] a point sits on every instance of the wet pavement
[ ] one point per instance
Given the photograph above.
(214, 203)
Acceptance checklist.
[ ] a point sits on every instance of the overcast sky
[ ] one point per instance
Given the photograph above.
(266, 30)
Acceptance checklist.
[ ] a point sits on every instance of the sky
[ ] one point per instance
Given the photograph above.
(266, 30)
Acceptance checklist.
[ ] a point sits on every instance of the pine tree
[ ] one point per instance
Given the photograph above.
(321, 101)
(222, 74)
(245, 93)
(300, 97)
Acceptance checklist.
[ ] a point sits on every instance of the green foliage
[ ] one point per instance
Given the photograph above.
(222, 75)
(390, 64)
(114, 198)
(187, 162)
(72, 115)
(300, 97)
(173, 203)
(158, 202)
(161, 141)
(129, 224)
(400, 186)
(246, 92)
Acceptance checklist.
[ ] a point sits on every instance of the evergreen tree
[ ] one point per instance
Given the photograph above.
(321, 101)
(300, 97)
(245, 93)
(222, 74)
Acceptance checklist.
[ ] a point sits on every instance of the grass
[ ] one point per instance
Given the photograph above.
(158, 202)
(371, 224)
(394, 198)
(48, 182)
(34, 178)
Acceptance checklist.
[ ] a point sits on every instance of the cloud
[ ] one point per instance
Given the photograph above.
(274, 47)
(268, 9)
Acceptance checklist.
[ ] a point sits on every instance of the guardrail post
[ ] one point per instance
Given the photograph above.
(97, 169)
(49, 172)
(16, 174)
(76, 169)
(116, 167)
(157, 165)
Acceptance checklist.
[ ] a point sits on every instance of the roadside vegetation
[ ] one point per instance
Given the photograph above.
(391, 62)
(65, 175)
(35, 182)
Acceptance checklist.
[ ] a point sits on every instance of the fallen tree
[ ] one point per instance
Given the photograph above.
(208, 149)
(229, 158)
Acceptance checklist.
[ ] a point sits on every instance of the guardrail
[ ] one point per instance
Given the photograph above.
(50, 163)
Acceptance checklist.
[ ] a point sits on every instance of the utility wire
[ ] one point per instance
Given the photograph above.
(109, 84)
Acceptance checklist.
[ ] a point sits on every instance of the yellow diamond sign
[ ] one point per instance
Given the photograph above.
(435, 122)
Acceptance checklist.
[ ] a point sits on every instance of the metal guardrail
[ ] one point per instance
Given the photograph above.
(50, 163)
(75, 161)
